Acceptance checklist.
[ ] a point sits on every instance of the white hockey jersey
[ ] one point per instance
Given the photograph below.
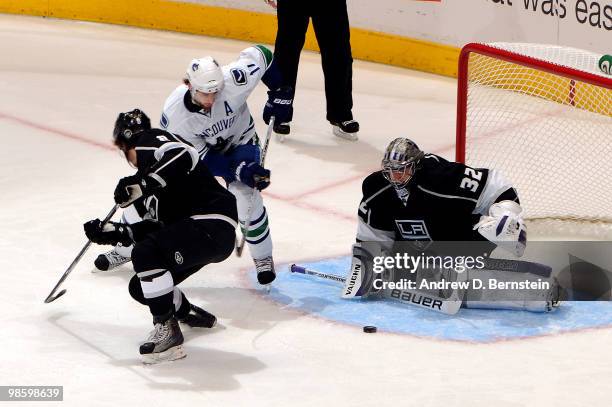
(229, 122)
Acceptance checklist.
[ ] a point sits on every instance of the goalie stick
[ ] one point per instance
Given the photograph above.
(247, 224)
(51, 297)
(448, 306)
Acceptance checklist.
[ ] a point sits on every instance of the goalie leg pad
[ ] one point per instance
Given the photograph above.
(486, 292)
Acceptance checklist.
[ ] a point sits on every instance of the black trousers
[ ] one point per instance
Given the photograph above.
(180, 249)
(331, 26)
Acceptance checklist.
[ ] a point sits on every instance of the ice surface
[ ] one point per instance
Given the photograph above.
(61, 87)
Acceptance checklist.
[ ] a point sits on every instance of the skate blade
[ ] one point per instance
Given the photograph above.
(168, 355)
(115, 270)
(280, 137)
(196, 326)
(347, 136)
(98, 271)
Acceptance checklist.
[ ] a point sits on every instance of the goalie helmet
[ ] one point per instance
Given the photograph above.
(401, 161)
(128, 125)
(204, 75)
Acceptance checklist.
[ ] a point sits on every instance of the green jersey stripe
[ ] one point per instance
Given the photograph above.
(267, 54)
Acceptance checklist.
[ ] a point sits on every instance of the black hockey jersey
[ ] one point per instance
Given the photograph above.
(443, 201)
(187, 189)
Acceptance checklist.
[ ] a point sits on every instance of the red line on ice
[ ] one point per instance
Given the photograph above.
(295, 200)
(57, 132)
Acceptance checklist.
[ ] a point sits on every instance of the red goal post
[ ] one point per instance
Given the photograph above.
(542, 114)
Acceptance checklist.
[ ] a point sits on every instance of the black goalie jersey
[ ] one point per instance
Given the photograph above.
(443, 202)
(188, 189)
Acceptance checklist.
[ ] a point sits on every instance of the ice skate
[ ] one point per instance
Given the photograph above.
(110, 260)
(265, 270)
(347, 129)
(282, 130)
(199, 318)
(165, 343)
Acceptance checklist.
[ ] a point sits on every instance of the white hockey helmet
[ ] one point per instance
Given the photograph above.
(205, 75)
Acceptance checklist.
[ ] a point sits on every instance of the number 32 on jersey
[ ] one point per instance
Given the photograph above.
(472, 179)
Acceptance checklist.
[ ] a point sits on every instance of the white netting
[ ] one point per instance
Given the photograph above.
(550, 135)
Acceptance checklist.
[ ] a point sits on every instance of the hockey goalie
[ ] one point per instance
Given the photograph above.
(418, 201)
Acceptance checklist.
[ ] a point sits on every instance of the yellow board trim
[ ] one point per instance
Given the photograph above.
(495, 73)
(238, 24)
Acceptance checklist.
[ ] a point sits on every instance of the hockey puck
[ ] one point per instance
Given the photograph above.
(369, 329)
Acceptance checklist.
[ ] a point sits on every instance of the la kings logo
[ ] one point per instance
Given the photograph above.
(412, 229)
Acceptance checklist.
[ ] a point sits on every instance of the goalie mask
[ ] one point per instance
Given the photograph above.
(401, 161)
(127, 126)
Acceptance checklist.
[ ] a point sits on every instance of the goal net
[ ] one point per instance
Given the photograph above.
(542, 114)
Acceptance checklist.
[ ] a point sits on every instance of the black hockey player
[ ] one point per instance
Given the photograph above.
(189, 221)
(423, 197)
(418, 196)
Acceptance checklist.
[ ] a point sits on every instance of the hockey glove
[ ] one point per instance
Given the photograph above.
(111, 233)
(253, 175)
(360, 282)
(279, 105)
(132, 188)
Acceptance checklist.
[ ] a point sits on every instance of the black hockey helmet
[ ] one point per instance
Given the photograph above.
(401, 161)
(128, 125)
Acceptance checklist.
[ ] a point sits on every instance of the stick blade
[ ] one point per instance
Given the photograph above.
(51, 298)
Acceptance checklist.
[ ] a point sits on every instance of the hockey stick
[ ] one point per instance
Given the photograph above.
(448, 306)
(247, 224)
(51, 297)
(297, 269)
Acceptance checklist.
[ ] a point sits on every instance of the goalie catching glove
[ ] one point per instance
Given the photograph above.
(505, 227)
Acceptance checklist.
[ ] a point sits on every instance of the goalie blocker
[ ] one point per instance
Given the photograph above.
(446, 290)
